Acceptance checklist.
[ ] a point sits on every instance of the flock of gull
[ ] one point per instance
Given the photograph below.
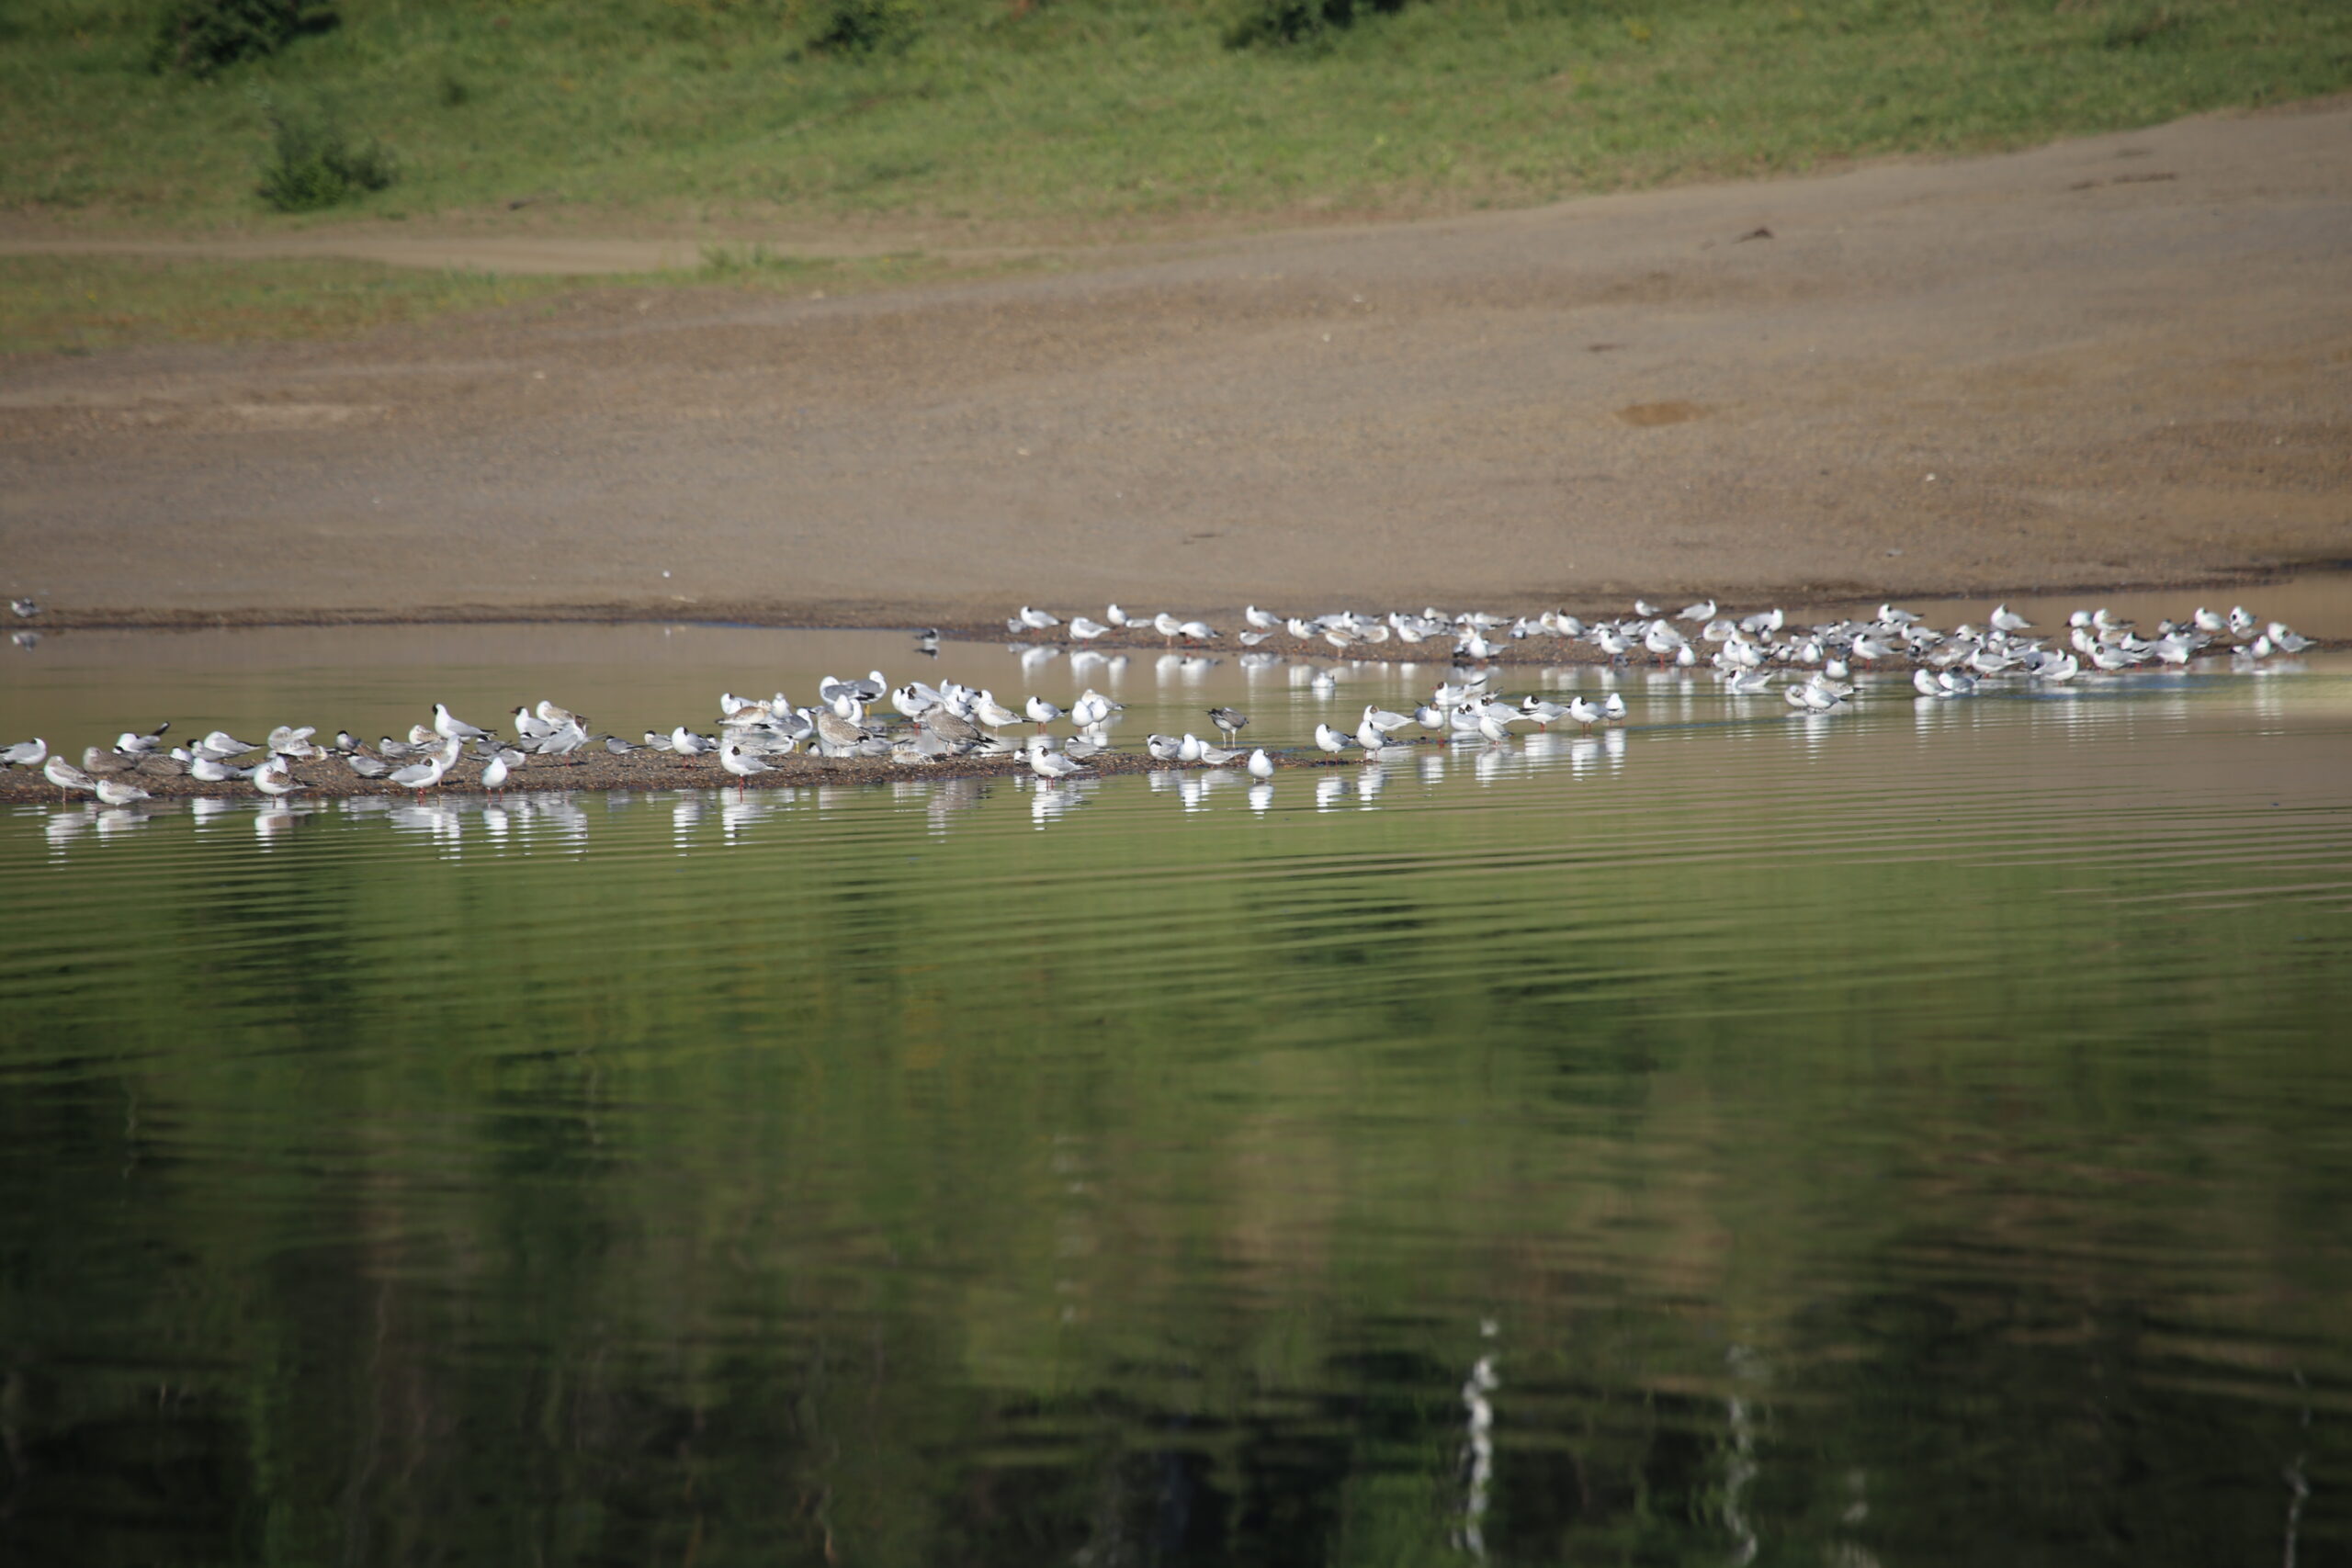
(1743, 647)
(917, 724)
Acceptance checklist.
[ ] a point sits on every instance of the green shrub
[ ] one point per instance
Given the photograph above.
(866, 26)
(202, 36)
(1279, 23)
(312, 164)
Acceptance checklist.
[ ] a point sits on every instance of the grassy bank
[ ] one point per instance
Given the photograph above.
(1004, 119)
(1098, 113)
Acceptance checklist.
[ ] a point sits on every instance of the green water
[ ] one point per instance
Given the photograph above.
(1923, 1135)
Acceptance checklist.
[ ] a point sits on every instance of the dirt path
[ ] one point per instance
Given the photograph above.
(554, 255)
(2121, 359)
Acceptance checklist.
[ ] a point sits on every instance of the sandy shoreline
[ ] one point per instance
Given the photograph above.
(1970, 376)
(1227, 619)
(332, 779)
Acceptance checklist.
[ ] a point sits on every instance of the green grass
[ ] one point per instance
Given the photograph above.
(1105, 113)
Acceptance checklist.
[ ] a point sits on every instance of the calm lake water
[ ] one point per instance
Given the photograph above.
(1919, 1135)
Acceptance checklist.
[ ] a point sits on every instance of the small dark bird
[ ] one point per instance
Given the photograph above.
(1227, 720)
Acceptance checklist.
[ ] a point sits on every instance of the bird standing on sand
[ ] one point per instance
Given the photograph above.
(991, 713)
(66, 776)
(836, 735)
(1048, 764)
(740, 763)
(418, 777)
(951, 727)
(451, 728)
(494, 771)
(276, 779)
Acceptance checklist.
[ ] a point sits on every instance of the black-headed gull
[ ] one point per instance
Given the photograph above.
(740, 763)
(450, 726)
(1048, 764)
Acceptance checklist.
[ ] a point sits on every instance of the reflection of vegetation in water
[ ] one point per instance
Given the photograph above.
(984, 1197)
